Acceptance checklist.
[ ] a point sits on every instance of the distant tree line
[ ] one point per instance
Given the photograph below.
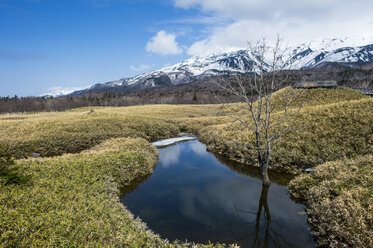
(39, 104)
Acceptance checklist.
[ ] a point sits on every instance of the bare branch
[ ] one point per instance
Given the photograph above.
(264, 78)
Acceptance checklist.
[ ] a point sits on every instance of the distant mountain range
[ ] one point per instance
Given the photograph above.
(347, 52)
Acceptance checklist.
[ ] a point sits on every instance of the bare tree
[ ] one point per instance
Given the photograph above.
(255, 90)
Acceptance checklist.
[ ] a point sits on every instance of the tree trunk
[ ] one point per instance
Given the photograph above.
(264, 172)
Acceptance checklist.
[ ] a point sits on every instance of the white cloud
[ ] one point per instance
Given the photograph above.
(297, 21)
(163, 44)
(186, 4)
(139, 68)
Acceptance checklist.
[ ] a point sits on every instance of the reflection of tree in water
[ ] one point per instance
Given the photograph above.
(271, 237)
(132, 185)
(279, 178)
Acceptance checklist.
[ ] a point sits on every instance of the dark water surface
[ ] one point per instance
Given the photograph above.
(194, 196)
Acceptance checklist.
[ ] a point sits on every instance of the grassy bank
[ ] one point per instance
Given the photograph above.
(339, 196)
(73, 200)
(326, 132)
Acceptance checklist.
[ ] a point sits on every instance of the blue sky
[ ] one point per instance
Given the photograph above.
(50, 44)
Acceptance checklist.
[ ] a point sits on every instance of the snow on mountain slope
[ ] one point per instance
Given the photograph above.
(335, 43)
(349, 56)
(188, 71)
(60, 91)
(313, 54)
(238, 61)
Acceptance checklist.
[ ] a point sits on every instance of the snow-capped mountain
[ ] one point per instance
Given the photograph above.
(188, 71)
(347, 51)
(314, 54)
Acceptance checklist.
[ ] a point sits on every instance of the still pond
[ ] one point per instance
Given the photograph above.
(196, 196)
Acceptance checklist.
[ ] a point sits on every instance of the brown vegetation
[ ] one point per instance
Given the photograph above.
(332, 126)
(339, 197)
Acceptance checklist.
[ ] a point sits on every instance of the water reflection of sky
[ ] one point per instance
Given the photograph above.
(170, 156)
(191, 195)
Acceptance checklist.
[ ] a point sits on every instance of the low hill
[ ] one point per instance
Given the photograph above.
(333, 124)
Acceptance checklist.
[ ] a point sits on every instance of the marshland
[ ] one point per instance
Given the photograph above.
(64, 173)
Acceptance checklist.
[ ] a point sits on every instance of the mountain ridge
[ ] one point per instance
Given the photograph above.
(314, 54)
